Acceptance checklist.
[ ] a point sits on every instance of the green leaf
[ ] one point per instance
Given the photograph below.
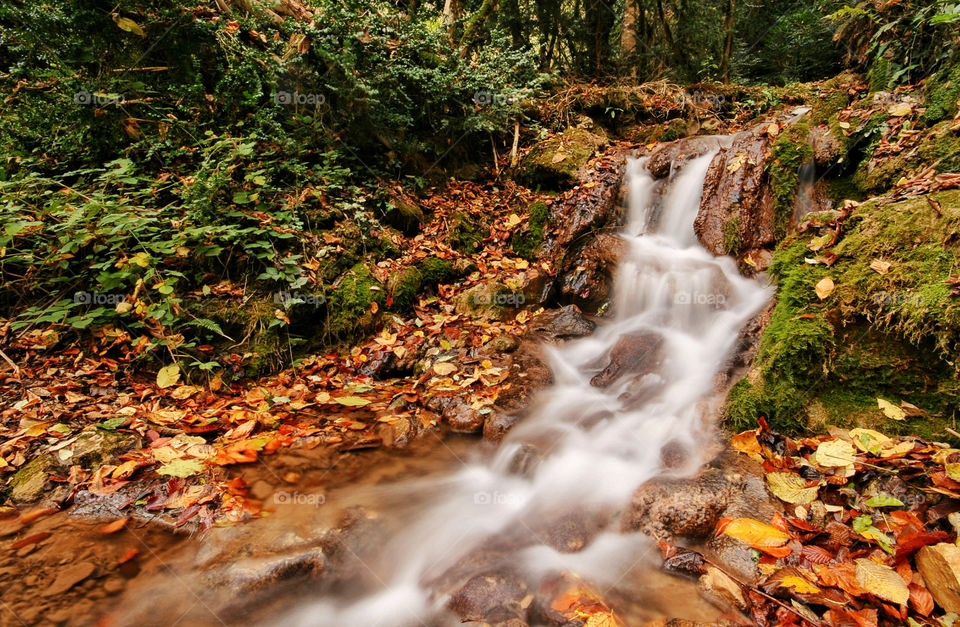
(181, 468)
(113, 423)
(352, 401)
(128, 25)
(884, 501)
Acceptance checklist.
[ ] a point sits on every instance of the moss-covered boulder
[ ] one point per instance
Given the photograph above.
(404, 287)
(29, 483)
(556, 162)
(466, 232)
(350, 310)
(942, 94)
(404, 214)
(884, 331)
(488, 300)
(526, 242)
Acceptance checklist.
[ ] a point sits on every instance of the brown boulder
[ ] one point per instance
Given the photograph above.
(666, 159)
(736, 210)
(589, 282)
(636, 354)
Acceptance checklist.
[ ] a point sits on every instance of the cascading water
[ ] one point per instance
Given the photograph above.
(595, 445)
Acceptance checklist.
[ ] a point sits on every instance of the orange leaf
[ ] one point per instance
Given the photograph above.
(757, 534)
(115, 526)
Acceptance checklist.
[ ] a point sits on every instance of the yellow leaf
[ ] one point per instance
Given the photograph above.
(352, 401)
(128, 25)
(890, 410)
(444, 368)
(558, 157)
(181, 468)
(747, 444)
(834, 454)
(184, 391)
(168, 376)
(899, 109)
(791, 488)
(824, 288)
(736, 162)
(879, 266)
(843, 125)
(755, 533)
(868, 440)
(513, 220)
(323, 397)
(123, 307)
(799, 584)
(882, 581)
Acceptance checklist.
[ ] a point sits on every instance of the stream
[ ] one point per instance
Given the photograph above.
(547, 499)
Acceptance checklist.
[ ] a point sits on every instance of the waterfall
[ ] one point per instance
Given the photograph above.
(594, 445)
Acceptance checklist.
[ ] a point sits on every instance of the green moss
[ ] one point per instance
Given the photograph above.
(555, 162)
(891, 336)
(527, 243)
(827, 106)
(675, 129)
(942, 146)
(943, 91)
(843, 188)
(731, 235)
(349, 310)
(405, 286)
(465, 233)
(790, 151)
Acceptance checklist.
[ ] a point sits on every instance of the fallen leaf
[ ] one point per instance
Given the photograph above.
(755, 533)
(882, 581)
(444, 368)
(890, 410)
(899, 109)
(351, 401)
(791, 488)
(799, 584)
(880, 267)
(834, 454)
(824, 288)
(181, 468)
(114, 526)
(168, 376)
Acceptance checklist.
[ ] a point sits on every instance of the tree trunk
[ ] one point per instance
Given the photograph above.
(600, 20)
(514, 21)
(728, 44)
(452, 12)
(474, 24)
(628, 36)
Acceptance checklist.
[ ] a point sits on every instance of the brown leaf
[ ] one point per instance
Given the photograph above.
(920, 599)
(114, 526)
(34, 539)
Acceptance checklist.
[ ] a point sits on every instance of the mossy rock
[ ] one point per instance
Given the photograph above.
(888, 336)
(405, 286)
(29, 483)
(254, 323)
(350, 307)
(828, 105)
(555, 163)
(527, 241)
(404, 215)
(488, 301)
(790, 151)
(942, 93)
(466, 232)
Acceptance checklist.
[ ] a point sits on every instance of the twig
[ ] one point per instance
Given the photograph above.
(16, 369)
(516, 142)
(952, 432)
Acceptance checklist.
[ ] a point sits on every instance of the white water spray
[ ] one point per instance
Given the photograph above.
(597, 444)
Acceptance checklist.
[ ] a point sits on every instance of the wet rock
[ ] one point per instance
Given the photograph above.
(114, 585)
(498, 597)
(68, 577)
(457, 413)
(501, 344)
(721, 590)
(636, 354)
(562, 324)
(589, 282)
(687, 508)
(251, 574)
(399, 434)
(556, 163)
(594, 206)
(736, 210)
(827, 148)
(667, 158)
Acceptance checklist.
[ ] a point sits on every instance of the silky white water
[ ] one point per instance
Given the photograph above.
(596, 445)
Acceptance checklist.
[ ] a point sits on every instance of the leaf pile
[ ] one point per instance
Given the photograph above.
(859, 507)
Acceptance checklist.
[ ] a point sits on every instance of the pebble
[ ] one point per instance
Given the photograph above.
(114, 585)
(68, 577)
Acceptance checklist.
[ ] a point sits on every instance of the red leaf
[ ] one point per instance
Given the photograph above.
(916, 541)
(817, 554)
(114, 526)
(920, 599)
